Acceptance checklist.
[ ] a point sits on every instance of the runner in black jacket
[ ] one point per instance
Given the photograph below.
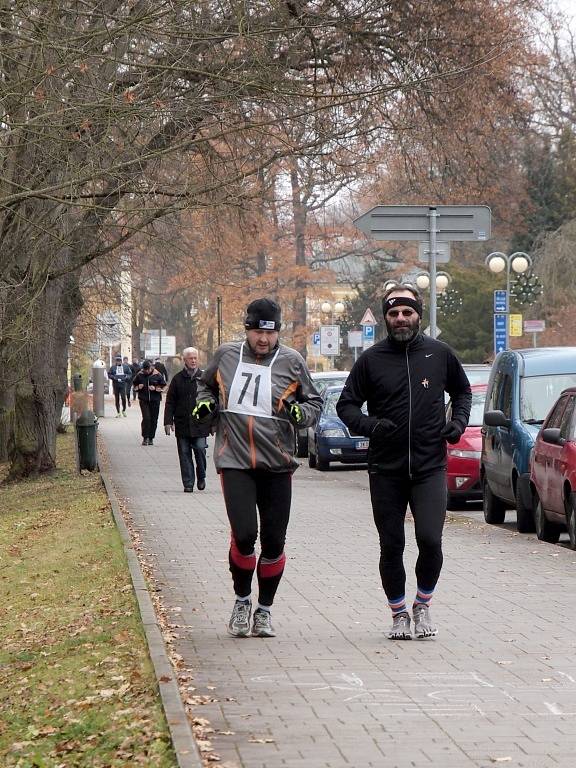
(403, 379)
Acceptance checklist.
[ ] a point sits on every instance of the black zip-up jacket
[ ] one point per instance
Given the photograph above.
(120, 381)
(180, 402)
(152, 379)
(405, 383)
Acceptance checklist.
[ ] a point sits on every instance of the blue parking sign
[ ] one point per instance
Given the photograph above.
(316, 338)
(368, 332)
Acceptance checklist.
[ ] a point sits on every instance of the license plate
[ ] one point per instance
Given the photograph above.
(362, 445)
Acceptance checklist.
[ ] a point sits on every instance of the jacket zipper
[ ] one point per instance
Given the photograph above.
(409, 415)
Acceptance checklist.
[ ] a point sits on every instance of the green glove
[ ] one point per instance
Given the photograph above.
(294, 411)
(203, 410)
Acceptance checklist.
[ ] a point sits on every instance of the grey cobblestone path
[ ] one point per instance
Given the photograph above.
(497, 686)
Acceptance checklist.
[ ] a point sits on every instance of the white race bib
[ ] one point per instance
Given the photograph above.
(251, 390)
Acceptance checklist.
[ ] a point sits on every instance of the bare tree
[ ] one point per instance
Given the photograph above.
(99, 96)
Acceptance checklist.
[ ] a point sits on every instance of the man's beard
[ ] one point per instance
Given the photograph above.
(404, 333)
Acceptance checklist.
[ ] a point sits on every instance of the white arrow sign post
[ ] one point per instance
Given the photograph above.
(427, 223)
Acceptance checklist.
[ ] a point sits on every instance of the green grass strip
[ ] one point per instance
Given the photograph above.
(76, 684)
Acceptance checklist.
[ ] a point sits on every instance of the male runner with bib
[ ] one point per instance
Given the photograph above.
(257, 390)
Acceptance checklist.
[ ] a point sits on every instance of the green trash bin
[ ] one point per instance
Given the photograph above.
(86, 426)
(77, 382)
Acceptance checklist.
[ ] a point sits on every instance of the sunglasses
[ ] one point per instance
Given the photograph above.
(403, 312)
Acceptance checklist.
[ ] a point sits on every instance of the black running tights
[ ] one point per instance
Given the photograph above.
(246, 493)
(427, 499)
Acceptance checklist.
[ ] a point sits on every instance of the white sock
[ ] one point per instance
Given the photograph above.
(263, 607)
(243, 599)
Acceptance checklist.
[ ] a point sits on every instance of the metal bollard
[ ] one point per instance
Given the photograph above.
(98, 387)
(86, 426)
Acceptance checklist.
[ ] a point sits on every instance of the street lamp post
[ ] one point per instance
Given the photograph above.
(518, 262)
(436, 282)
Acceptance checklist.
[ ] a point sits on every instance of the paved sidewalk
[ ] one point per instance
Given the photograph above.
(497, 686)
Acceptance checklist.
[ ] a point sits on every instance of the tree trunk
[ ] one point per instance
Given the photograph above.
(41, 373)
(300, 304)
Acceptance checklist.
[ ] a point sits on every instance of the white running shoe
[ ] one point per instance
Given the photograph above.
(262, 625)
(423, 625)
(400, 629)
(239, 624)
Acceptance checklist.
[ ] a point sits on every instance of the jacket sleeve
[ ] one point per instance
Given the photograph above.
(353, 397)
(308, 398)
(207, 384)
(458, 387)
(111, 375)
(170, 404)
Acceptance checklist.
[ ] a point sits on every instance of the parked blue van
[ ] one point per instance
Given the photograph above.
(524, 384)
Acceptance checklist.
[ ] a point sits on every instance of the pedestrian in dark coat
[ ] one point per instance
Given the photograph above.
(120, 374)
(190, 434)
(149, 385)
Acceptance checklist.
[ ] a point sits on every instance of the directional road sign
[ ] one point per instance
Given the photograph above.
(500, 303)
(412, 222)
(500, 332)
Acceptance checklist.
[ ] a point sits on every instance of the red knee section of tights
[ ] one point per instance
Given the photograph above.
(246, 562)
(268, 570)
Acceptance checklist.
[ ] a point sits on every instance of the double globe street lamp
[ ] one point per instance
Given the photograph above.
(517, 262)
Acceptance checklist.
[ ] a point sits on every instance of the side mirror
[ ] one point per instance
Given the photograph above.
(496, 419)
(552, 435)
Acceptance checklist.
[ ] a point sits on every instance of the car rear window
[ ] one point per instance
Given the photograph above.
(539, 393)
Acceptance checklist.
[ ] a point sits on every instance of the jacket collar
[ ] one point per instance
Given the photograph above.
(402, 346)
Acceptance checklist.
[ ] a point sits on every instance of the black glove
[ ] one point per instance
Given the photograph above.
(294, 411)
(203, 410)
(382, 427)
(452, 432)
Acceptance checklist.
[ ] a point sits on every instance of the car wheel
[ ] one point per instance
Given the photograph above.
(524, 515)
(494, 507)
(301, 446)
(322, 464)
(571, 519)
(311, 460)
(546, 530)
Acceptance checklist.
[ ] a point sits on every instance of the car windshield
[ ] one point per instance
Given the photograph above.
(323, 384)
(539, 393)
(330, 400)
(477, 375)
(477, 412)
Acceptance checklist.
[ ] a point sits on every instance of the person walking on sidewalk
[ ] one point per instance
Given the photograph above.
(403, 380)
(149, 385)
(258, 390)
(190, 434)
(120, 373)
(128, 385)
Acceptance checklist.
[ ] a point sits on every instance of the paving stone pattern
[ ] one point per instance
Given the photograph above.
(497, 686)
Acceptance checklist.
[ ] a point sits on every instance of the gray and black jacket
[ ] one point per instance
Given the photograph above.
(253, 442)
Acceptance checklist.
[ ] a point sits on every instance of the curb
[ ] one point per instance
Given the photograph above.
(183, 741)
